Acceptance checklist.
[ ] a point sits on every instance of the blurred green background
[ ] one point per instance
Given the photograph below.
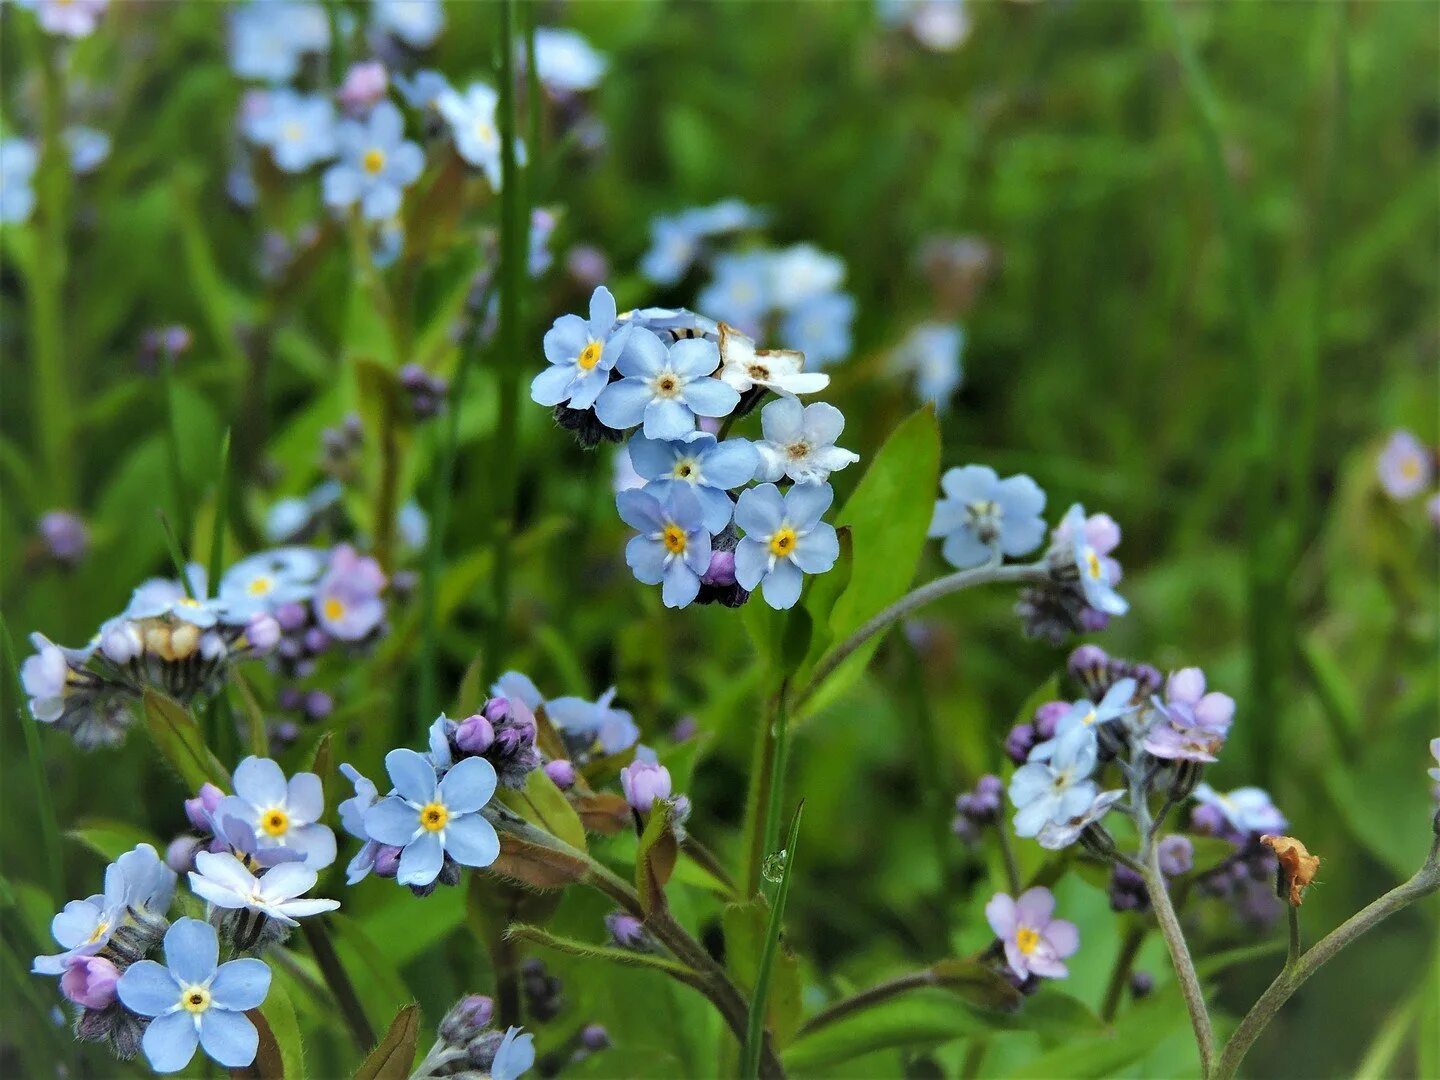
(1216, 235)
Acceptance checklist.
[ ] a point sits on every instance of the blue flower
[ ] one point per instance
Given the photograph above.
(666, 389)
(581, 354)
(162, 596)
(565, 62)
(673, 545)
(931, 352)
(352, 820)
(802, 272)
(138, 881)
(298, 129)
(67, 18)
(376, 164)
(518, 687)
(515, 1055)
(1085, 715)
(983, 517)
(415, 22)
(471, 117)
(740, 291)
(800, 441)
(1054, 792)
(1247, 810)
(1098, 574)
(784, 539)
(820, 327)
(676, 239)
(268, 579)
(430, 818)
(195, 1001)
(268, 38)
(708, 467)
(283, 813)
(1053, 836)
(88, 146)
(18, 161)
(225, 881)
(423, 89)
(614, 729)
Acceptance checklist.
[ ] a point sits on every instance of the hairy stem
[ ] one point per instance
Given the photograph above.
(865, 999)
(1179, 955)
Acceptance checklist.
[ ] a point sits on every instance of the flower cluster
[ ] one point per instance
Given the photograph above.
(1079, 595)
(467, 1044)
(667, 373)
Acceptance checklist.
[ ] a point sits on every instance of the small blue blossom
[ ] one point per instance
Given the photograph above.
(931, 353)
(581, 354)
(423, 89)
(194, 1001)
(18, 161)
(226, 883)
(784, 540)
(88, 146)
(67, 18)
(820, 327)
(614, 729)
(518, 687)
(298, 129)
(162, 596)
(708, 467)
(1055, 791)
(982, 516)
(1098, 574)
(283, 813)
(376, 164)
(1247, 810)
(565, 62)
(267, 579)
(740, 291)
(515, 1055)
(538, 257)
(676, 240)
(352, 820)
(1085, 715)
(415, 22)
(268, 38)
(471, 118)
(136, 882)
(800, 441)
(430, 818)
(665, 389)
(802, 272)
(1054, 836)
(673, 545)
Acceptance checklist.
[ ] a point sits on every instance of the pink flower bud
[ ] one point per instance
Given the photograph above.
(561, 772)
(1185, 686)
(89, 981)
(475, 735)
(644, 782)
(263, 633)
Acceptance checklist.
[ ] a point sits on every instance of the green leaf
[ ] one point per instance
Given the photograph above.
(280, 1056)
(888, 515)
(744, 943)
(322, 764)
(919, 1018)
(977, 983)
(178, 739)
(375, 977)
(392, 1058)
(111, 839)
(655, 859)
(541, 803)
(1138, 1031)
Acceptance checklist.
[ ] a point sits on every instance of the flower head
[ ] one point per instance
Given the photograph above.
(581, 354)
(614, 729)
(820, 327)
(1405, 466)
(138, 883)
(363, 88)
(1056, 790)
(415, 22)
(67, 18)
(565, 62)
(983, 516)
(264, 581)
(643, 782)
(347, 601)
(931, 353)
(665, 389)
(1246, 810)
(1086, 716)
(376, 164)
(282, 813)
(1035, 941)
(800, 441)
(784, 540)
(672, 547)
(743, 367)
(195, 1001)
(18, 161)
(430, 818)
(709, 469)
(298, 129)
(1089, 542)
(1193, 724)
(1054, 835)
(224, 881)
(471, 117)
(268, 38)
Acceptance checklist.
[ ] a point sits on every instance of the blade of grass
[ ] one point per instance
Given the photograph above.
(177, 556)
(755, 1020)
(172, 448)
(44, 803)
(222, 513)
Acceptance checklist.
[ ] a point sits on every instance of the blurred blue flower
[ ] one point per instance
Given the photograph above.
(430, 818)
(1056, 835)
(376, 164)
(800, 441)
(18, 161)
(164, 596)
(413, 525)
(195, 1001)
(1054, 791)
(613, 728)
(298, 129)
(518, 687)
(673, 545)
(983, 516)
(565, 62)
(223, 880)
(137, 882)
(283, 813)
(471, 118)
(665, 388)
(581, 354)
(784, 539)
(802, 272)
(739, 293)
(417, 23)
(820, 327)
(543, 220)
(708, 467)
(938, 25)
(1090, 540)
(931, 352)
(1247, 810)
(352, 820)
(268, 38)
(347, 602)
(267, 579)
(423, 89)
(88, 146)
(676, 240)
(67, 18)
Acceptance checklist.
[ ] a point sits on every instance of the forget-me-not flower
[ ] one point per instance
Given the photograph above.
(565, 62)
(1035, 941)
(376, 164)
(614, 729)
(784, 539)
(430, 819)
(223, 880)
(1405, 466)
(298, 129)
(267, 579)
(665, 389)
(347, 602)
(515, 1055)
(1056, 835)
(471, 117)
(194, 1001)
(708, 467)
(673, 545)
(164, 596)
(1090, 543)
(422, 90)
(137, 881)
(67, 18)
(18, 161)
(1086, 716)
(676, 239)
(352, 820)
(268, 38)
(931, 353)
(88, 148)
(581, 353)
(743, 366)
(415, 22)
(1056, 790)
(518, 687)
(1246, 809)
(820, 327)
(800, 441)
(801, 272)
(1193, 724)
(739, 293)
(982, 515)
(283, 813)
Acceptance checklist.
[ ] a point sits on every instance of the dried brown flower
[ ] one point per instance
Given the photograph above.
(1297, 866)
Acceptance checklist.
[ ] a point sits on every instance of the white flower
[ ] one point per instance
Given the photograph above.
(471, 117)
(800, 441)
(565, 62)
(223, 880)
(1057, 791)
(743, 366)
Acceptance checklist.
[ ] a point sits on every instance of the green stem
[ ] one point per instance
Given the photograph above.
(757, 800)
(333, 971)
(1174, 936)
(755, 1034)
(44, 800)
(1120, 974)
(1292, 915)
(1007, 853)
(780, 755)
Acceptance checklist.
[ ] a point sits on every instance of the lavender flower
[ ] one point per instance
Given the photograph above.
(65, 536)
(1246, 811)
(1035, 941)
(1405, 466)
(1054, 835)
(983, 517)
(644, 782)
(282, 813)
(363, 87)
(800, 442)
(1193, 725)
(347, 601)
(1090, 542)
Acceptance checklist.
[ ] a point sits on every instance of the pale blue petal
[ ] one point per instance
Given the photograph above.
(653, 458)
(147, 988)
(963, 550)
(710, 397)
(646, 559)
(421, 860)
(730, 464)
(260, 782)
(381, 202)
(667, 418)
(602, 311)
(694, 357)
(644, 355)
(752, 561)
(468, 786)
(74, 925)
(229, 1037)
(587, 387)
(306, 798)
(1020, 497)
(760, 510)
(716, 508)
(681, 585)
(552, 386)
(471, 840)
(782, 585)
(566, 339)
(191, 950)
(413, 776)
(622, 404)
(1020, 536)
(949, 516)
(392, 821)
(816, 552)
(806, 503)
(170, 1041)
(969, 483)
(782, 420)
(640, 510)
(241, 984)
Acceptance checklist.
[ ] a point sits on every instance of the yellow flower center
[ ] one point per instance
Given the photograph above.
(275, 822)
(374, 160)
(433, 817)
(260, 586)
(98, 933)
(1089, 718)
(334, 608)
(195, 999)
(590, 356)
(1410, 468)
(1092, 565)
(674, 539)
(783, 542)
(293, 132)
(187, 601)
(1026, 940)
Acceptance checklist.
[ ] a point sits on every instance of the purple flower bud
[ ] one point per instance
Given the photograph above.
(594, 1037)
(1047, 716)
(561, 772)
(180, 855)
(387, 860)
(414, 377)
(90, 981)
(318, 704)
(199, 808)
(478, 1009)
(316, 641)
(291, 617)
(263, 633)
(475, 735)
(364, 86)
(1086, 661)
(1176, 854)
(1147, 679)
(684, 729)
(1019, 742)
(626, 930)
(65, 537)
(721, 570)
(1142, 983)
(290, 699)
(1092, 621)
(644, 782)
(497, 710)
(1208, 819)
